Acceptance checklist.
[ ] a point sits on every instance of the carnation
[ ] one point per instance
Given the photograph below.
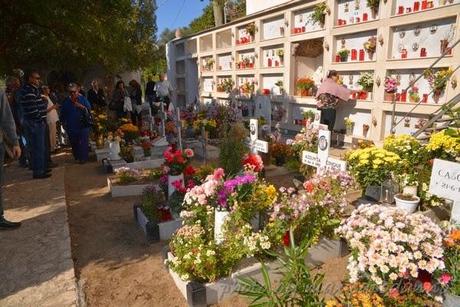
(253, 162)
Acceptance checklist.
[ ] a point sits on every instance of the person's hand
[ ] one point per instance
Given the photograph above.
(16, 150)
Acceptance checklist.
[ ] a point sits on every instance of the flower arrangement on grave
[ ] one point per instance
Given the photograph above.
(390, 87)
(356, 294)
(319, 13)
(414, 96)
(370, 45)
(227, 85)
(176, 161)
(343, 54)
(280, 53)
(146, 147)
(445, 145)
(251, 29)
(438, 80)
(373, 5)
(366, 81)
(349, 124)
(126, 175)
(247, 87)
(126, 152)
(304, 85)
(154, 205)
(197, 255)
(209, 64)
(253, 163)
(130, 132)
(280, 85)
(450, 277)
(315, 211)
(394, 252)
(280, 152)
(372, 166)
(209, 125)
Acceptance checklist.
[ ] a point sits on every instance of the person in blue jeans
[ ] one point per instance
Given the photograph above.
(34, 108)
(71, 118)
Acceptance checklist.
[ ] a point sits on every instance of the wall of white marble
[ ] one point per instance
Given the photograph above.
(354, 11)
(355, 42)
(273, 28)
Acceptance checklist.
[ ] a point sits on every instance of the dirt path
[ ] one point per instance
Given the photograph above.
(112, 260)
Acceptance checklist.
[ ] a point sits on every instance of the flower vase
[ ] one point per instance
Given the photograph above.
(171, 180)
(365, 130)
(349, 129)
(219, 219)
(410, 206)
(410, 190)
(114, 150)
(451, 300)
(388, 96)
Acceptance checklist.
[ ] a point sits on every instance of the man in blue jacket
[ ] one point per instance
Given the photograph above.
(7, 136)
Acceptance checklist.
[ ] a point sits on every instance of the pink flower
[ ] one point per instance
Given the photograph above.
(445, 278)
(188, 153)
(427, 286)
(218, 174)
(393, 293)
(177, 184)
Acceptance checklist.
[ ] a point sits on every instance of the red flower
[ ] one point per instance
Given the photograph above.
(189, 171)
(254, 162)
(393, 293)
(308, 186)
(286, 239)
(427, 286)
(177, 184)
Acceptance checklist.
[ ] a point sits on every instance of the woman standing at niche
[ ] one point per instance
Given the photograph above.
(329, 94)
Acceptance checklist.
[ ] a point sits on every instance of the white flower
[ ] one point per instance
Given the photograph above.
(210, 253)
(393, 276)
(185, 277)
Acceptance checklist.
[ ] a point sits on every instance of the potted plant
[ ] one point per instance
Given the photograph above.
(366, 81)
(176, 161)
(209, 64)
(366, 128)
(280, 54)
(309, 116)
(319, 13)
(407, 202)
(374, 6)
(391, 86)
(438, 81)
(450, 279)
(349, 125)
(251, 29)
(413, 94)
(280, 152)
(304, 86)
(370, 46)
(227, 85)
(343, 54)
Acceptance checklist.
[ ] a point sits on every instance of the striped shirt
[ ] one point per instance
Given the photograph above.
(33, 105)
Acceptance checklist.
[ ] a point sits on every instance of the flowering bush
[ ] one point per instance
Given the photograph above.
(253, 162)
(451, 277)
(372, 166)
(130, 131)
(315, 211)
(445, 145)
(176, 162)
(305, 84)
(391, 84)
(392, 249)
(126, 175)
(196, 255)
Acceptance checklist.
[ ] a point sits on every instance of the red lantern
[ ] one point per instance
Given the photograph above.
(337, 58)
(424, 5)
(354, 54)
(365, 16)
(361, 55)
(398, 97)
(403, 96)
(400, 10)
(423, 52)
(404, 54)
(425, 98)
(416, 6)
(269, 62)
(303, 29)
(357, 19)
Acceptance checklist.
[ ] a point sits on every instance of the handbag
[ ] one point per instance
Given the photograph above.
(86, 118)
(127, 105)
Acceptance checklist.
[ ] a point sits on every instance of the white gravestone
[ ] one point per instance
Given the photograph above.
(445, 183)
(256, 144)
(321, 160)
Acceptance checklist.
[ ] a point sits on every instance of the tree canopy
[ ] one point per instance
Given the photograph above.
(74, 35)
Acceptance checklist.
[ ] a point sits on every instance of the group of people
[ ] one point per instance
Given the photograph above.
(34, 119)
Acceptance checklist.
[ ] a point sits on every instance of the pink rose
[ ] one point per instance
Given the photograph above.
(445, 278)
(218, 174)
(189, 153)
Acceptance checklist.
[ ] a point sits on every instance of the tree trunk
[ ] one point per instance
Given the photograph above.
(218, 10)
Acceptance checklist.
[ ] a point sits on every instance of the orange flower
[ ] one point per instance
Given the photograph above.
(455, 235)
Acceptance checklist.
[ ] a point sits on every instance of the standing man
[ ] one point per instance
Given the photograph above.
(34, 111)
(150, 93)
(7, 135)
(96, 95)
(163, 90)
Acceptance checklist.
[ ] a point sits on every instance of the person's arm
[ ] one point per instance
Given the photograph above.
(7, 121)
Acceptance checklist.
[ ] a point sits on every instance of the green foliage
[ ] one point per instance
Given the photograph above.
(297, 287)
(203, 22)
(74, 35)
(232, 149)
(152, 199)
(319, 13)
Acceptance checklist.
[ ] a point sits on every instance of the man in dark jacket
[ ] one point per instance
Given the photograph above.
(96, 95)
(34, 112)
(7, 136)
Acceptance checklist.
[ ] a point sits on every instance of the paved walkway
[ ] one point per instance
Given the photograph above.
(36, 267)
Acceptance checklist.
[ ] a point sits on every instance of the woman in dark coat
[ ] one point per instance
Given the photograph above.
(118, 100)
(136, 101)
